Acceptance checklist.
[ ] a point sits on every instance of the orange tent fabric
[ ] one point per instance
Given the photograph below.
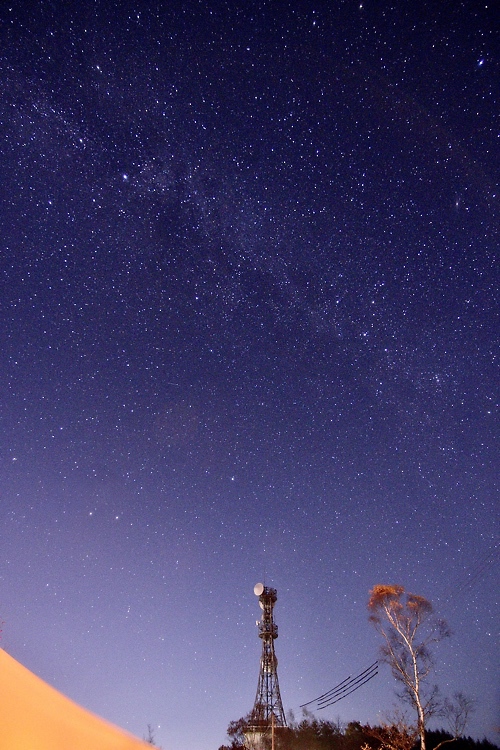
(35, 716)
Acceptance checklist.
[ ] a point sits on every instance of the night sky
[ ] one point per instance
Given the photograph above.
(248, 333)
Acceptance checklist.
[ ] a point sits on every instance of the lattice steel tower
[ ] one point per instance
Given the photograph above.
(267, 711)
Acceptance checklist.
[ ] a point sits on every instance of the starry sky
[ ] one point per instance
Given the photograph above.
(248, 333)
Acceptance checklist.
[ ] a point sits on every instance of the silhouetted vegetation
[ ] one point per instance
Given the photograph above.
(434, 738)
(311, 733)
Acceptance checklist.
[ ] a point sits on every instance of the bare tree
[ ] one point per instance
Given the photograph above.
(457, 713)
(409, 630)
(150, 738)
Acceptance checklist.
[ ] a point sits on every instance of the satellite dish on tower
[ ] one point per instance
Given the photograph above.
(258, 589)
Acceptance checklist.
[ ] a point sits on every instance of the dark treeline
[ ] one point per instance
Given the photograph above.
(462, 743)
(316, 734)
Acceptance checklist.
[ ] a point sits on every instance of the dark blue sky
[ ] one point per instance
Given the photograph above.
(248, 332)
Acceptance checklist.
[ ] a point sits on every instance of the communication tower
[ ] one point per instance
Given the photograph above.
(267, 713)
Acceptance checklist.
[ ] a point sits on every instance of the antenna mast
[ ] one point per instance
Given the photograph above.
(267, 713)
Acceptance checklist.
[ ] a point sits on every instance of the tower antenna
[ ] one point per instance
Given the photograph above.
(267, 713)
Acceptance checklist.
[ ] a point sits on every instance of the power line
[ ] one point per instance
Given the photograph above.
(347, 679)
(350, 691)
(370, 672)
(344, 688)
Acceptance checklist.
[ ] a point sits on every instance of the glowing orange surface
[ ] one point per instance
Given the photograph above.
(35, 716)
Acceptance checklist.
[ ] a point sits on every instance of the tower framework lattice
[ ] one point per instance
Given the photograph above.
(267, 711)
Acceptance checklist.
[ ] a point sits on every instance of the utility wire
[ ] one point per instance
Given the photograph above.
(361, 678)
(345, 685)
(347, 679)
(350, 691)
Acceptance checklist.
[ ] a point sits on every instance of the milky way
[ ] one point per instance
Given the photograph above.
(249, 332)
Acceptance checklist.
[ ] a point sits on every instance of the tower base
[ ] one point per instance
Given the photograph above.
(263, 737)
